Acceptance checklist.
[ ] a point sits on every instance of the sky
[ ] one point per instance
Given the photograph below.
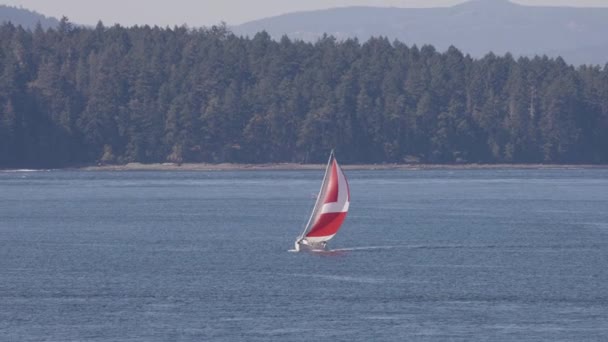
(197, 13)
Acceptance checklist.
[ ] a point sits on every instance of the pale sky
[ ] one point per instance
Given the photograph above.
(197, 13)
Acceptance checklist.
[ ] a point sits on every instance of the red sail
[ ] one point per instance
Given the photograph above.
(332, 207)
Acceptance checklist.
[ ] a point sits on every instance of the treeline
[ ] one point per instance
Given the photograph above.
(74, 95)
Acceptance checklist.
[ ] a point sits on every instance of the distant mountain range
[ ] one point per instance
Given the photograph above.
(25, 18)
(477, 27)
(579, 35)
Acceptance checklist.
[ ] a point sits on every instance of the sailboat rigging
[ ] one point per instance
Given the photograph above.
(329, 211)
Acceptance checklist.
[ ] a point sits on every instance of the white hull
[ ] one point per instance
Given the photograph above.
(304, 245)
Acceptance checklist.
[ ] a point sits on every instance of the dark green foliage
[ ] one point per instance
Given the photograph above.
(74, 95)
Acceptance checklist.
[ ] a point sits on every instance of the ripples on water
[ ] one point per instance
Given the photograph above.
(462, 255)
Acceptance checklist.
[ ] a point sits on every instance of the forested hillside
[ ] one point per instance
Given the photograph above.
(75, 95)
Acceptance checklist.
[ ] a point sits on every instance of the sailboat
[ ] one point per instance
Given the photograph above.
(329, 211)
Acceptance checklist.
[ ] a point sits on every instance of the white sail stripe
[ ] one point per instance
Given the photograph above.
(342, 204)
(334, 207)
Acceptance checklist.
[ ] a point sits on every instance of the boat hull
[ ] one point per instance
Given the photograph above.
(309, 246)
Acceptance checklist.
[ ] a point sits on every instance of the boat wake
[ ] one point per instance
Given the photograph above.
(350, 249)
(456, 246)
(318, 251)
(367, 248)
(446, 246)
(360, 248)
(388, 247)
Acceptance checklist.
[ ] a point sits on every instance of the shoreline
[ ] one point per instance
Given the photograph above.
(295, 167)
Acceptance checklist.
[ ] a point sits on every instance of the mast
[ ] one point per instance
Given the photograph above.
(315, 208)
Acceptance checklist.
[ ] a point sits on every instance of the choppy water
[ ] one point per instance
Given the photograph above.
(466, 255)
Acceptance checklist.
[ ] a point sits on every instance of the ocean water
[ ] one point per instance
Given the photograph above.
(435, 255)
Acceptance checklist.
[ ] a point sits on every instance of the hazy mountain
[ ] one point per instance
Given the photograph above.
(476, 27)
(25, 18)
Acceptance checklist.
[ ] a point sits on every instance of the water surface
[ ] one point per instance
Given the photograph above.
(435, 255)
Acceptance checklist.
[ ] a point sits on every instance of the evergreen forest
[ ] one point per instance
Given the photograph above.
(73, 95)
